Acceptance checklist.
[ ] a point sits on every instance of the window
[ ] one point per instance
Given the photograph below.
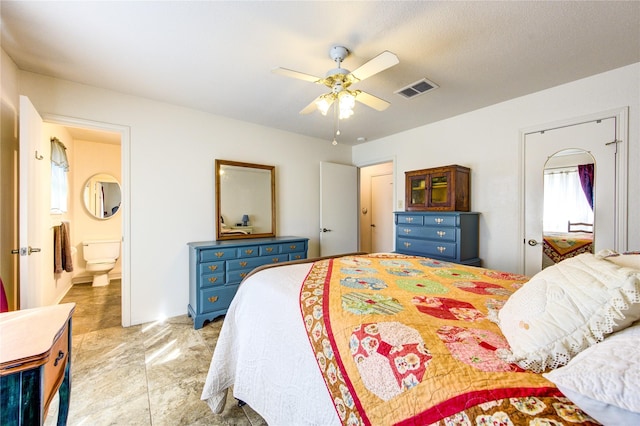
(59, 180)
(564, 200)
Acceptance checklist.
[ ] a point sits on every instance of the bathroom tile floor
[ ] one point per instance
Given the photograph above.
(149, 374)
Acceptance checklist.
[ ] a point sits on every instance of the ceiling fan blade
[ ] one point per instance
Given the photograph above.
(372, 101)
(310, 108)
(380, 63)
(296, 74)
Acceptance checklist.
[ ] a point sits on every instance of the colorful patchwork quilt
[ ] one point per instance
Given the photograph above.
(558, 247)
(406, 340)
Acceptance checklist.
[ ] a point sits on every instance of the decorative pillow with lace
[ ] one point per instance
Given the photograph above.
(630, 259)
(566, 308)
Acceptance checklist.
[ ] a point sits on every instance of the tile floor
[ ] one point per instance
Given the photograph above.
(149, 374)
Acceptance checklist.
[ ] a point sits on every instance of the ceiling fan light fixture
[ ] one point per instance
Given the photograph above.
(323, 104)
(346, 101)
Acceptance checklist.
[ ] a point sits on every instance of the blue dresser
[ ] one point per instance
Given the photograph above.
(449, 236)
(217, 267)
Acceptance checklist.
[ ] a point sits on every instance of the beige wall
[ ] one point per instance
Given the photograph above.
(87, 158)
(9, 177)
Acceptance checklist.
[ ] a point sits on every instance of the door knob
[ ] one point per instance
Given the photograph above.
(325, 230)
(533, 242)
(25, 251)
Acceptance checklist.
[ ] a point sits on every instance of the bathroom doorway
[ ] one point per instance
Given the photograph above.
(98, 149)
(376, 207)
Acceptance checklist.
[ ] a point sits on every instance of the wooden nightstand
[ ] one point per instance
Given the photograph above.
(35, 362)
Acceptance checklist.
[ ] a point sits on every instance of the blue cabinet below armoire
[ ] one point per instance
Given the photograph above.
(448, 236)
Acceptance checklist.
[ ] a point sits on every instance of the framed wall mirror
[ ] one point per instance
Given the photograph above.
(245, 200)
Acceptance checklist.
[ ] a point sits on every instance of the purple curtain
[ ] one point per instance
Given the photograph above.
(585, 171)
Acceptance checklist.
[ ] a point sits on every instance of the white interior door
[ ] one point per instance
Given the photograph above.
(382, 213)
(32, 158)
(595, 137)
(338, 209)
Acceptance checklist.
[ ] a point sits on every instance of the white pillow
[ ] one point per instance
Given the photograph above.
(604, 380)
(629, 259)
(566, 308)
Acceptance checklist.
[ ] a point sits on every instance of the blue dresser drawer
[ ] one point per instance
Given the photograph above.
(440, 250)
(429, 232)
(293, 247)
(216, 299)
(248, 251)
(297, 256)
(441, 220)
(409, 219)
(217, 254)
(246, 263)
(209, 280)
(211, 267)
(276, 258)
(269, 249)
(234, 277)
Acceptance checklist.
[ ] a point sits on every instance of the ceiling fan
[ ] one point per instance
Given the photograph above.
(339, 80)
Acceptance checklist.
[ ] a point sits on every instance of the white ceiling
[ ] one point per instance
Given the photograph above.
(217, 56)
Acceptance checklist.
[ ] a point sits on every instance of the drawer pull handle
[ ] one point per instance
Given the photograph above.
(409, 219)
(243, 274)
(275, 260)
(213, 279)
(269, 249)
(441, 249)
(219, 254)
(213, 267)
(297, 257)
(441, 234)
(407, 244)
(406, 230)
(292, 246)
(213, 299)
(439, 220)
(59, 358)
(243, 264)
(248, 251)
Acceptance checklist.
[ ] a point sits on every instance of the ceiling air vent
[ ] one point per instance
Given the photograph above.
(417, 88)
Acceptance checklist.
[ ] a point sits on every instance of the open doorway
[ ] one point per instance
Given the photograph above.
(99, 152)
(376, 208)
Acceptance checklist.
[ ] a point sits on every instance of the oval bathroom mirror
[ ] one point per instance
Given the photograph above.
(102, 196)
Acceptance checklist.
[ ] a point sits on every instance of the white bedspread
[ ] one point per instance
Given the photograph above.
(263, 352)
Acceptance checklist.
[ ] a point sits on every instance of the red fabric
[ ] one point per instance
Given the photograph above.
(4, 304)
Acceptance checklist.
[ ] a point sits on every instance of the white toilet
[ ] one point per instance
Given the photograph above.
(101, 257)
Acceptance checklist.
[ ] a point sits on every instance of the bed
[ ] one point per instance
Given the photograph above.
(393, 339)
(558, 246)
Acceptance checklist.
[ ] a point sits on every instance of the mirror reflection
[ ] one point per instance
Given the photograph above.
(102, 196)
(245, 200)
(568, 215)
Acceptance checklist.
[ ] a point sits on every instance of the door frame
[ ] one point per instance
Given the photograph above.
(621, 116)
(394, 169)
(125, 209)
(387, 211)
